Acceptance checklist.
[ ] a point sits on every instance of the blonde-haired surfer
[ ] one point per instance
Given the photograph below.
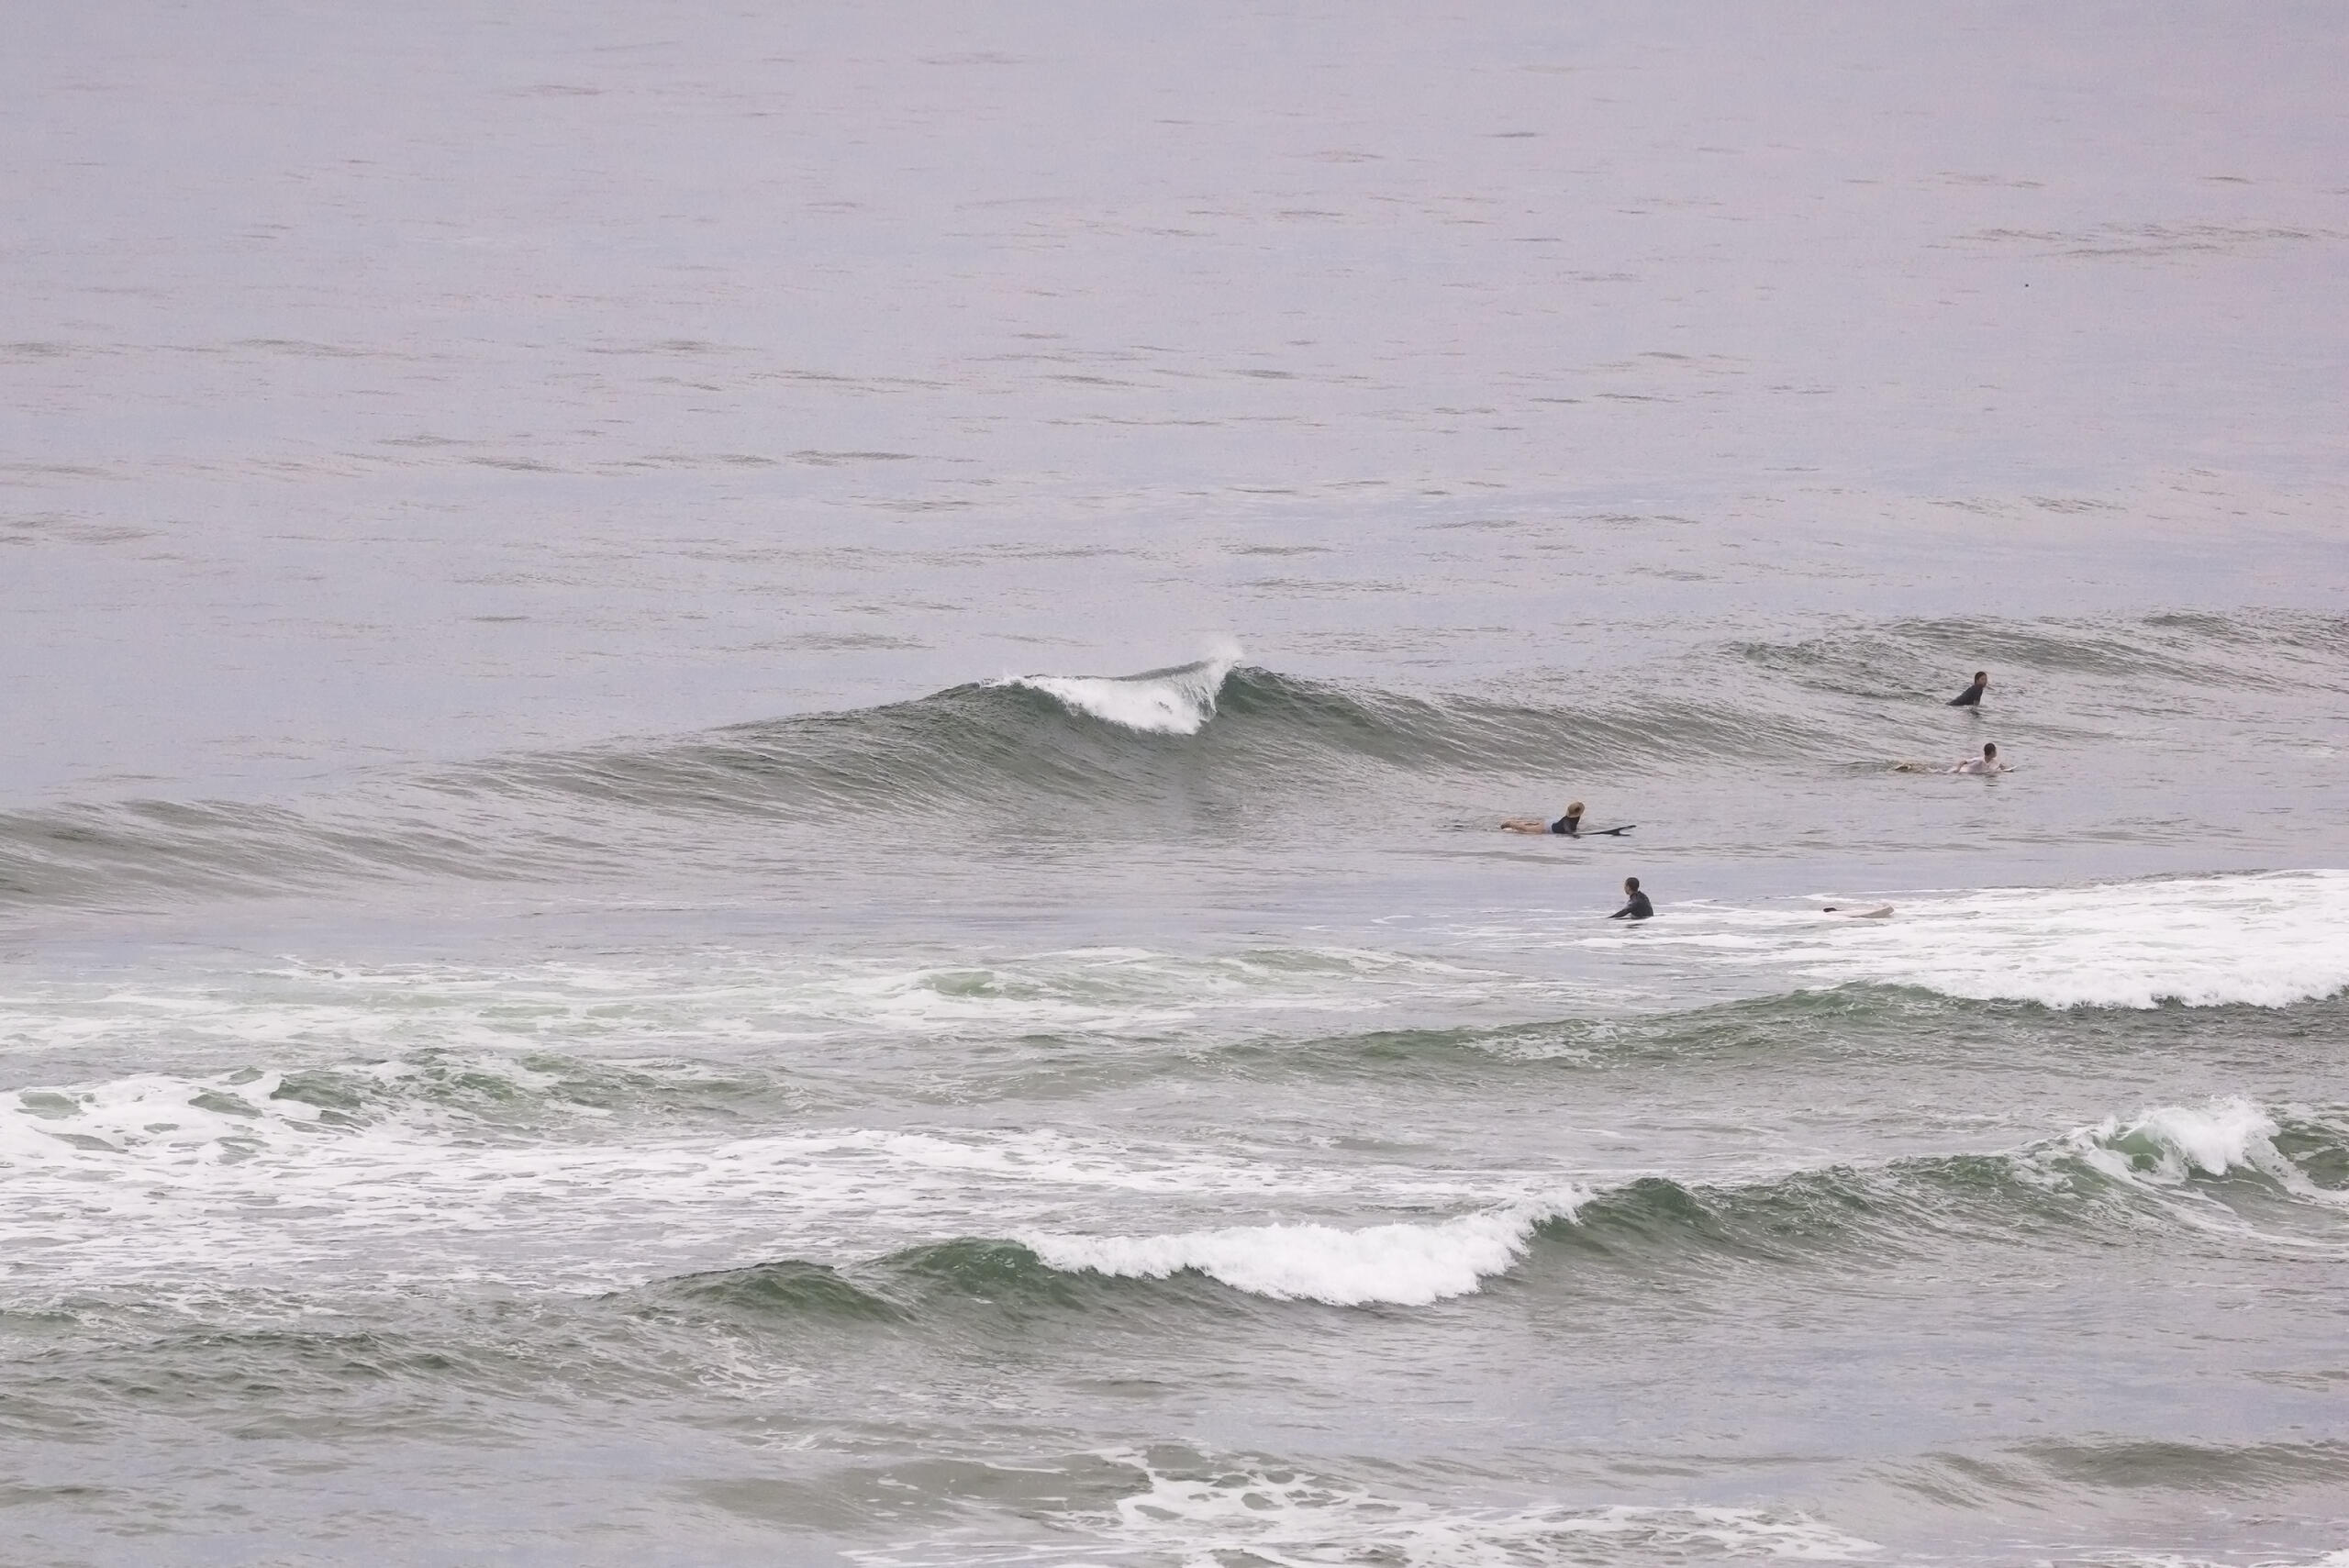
(1569, 826)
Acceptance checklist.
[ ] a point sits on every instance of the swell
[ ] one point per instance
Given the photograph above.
(2164, 659)
(1857, 1023)
(100, 854)
(973, 748)
(1214, 748)
(1005, 761)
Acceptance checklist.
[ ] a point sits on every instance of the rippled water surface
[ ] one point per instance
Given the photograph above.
(754, 759)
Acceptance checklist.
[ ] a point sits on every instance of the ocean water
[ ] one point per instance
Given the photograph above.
(753, 759)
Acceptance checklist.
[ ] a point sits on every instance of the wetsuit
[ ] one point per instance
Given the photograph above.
(1570, 827)
(1970, 696)
(1639, 909)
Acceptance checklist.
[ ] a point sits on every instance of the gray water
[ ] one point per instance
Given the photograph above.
(754, 758)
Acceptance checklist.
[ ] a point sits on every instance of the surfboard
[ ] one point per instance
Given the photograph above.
(1605, 832)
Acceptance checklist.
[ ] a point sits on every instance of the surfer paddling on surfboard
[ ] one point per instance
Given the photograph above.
(1972, 695)
(1987, 762)
(1568, 826)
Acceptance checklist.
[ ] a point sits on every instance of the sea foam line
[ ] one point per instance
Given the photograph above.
(1221, 1508)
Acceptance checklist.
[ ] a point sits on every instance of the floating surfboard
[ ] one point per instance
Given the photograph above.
(1605, 832)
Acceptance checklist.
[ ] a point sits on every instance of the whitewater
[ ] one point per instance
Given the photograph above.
(755, 763)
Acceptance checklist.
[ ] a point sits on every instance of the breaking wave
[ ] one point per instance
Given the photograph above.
(1404, 1265)
(1176, 701)
(1062, 756)
(2228, 1166)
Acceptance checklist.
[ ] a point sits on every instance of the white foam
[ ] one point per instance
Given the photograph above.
(1403, 1264)
(2172, 1560)
(170, 1179)
(2263, 940)
(1217, 1513)
(171, 1120)
(1163, 701)
(2168, 1145)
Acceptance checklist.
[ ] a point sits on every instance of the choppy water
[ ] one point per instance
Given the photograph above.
(753, 766)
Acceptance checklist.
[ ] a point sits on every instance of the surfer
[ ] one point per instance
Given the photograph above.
(1568, 826)
(1987, 762)
(1639, 909)
(1972, 695)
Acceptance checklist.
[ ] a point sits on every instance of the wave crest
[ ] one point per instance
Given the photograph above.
(2171, 1145)
(1175, 701)
(1399, 1264)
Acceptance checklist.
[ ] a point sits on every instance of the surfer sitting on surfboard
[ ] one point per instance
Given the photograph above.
(1639, 909)
(1567, 827)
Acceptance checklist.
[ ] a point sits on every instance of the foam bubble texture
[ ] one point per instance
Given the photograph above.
(2267, 939)
(1218, 1513)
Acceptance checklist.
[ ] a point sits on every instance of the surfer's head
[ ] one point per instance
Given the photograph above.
(1573, 812)
(1630, 884)
(1989, 751)
(1981, 678)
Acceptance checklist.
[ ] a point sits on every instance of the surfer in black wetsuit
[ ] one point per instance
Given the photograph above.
(1972, 695)
(1568, 826)
(1639, 909)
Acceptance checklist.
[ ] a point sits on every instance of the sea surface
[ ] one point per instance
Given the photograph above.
(752, 759)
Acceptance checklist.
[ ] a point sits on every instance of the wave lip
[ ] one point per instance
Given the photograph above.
(1399, 1264)
(1178, 700)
